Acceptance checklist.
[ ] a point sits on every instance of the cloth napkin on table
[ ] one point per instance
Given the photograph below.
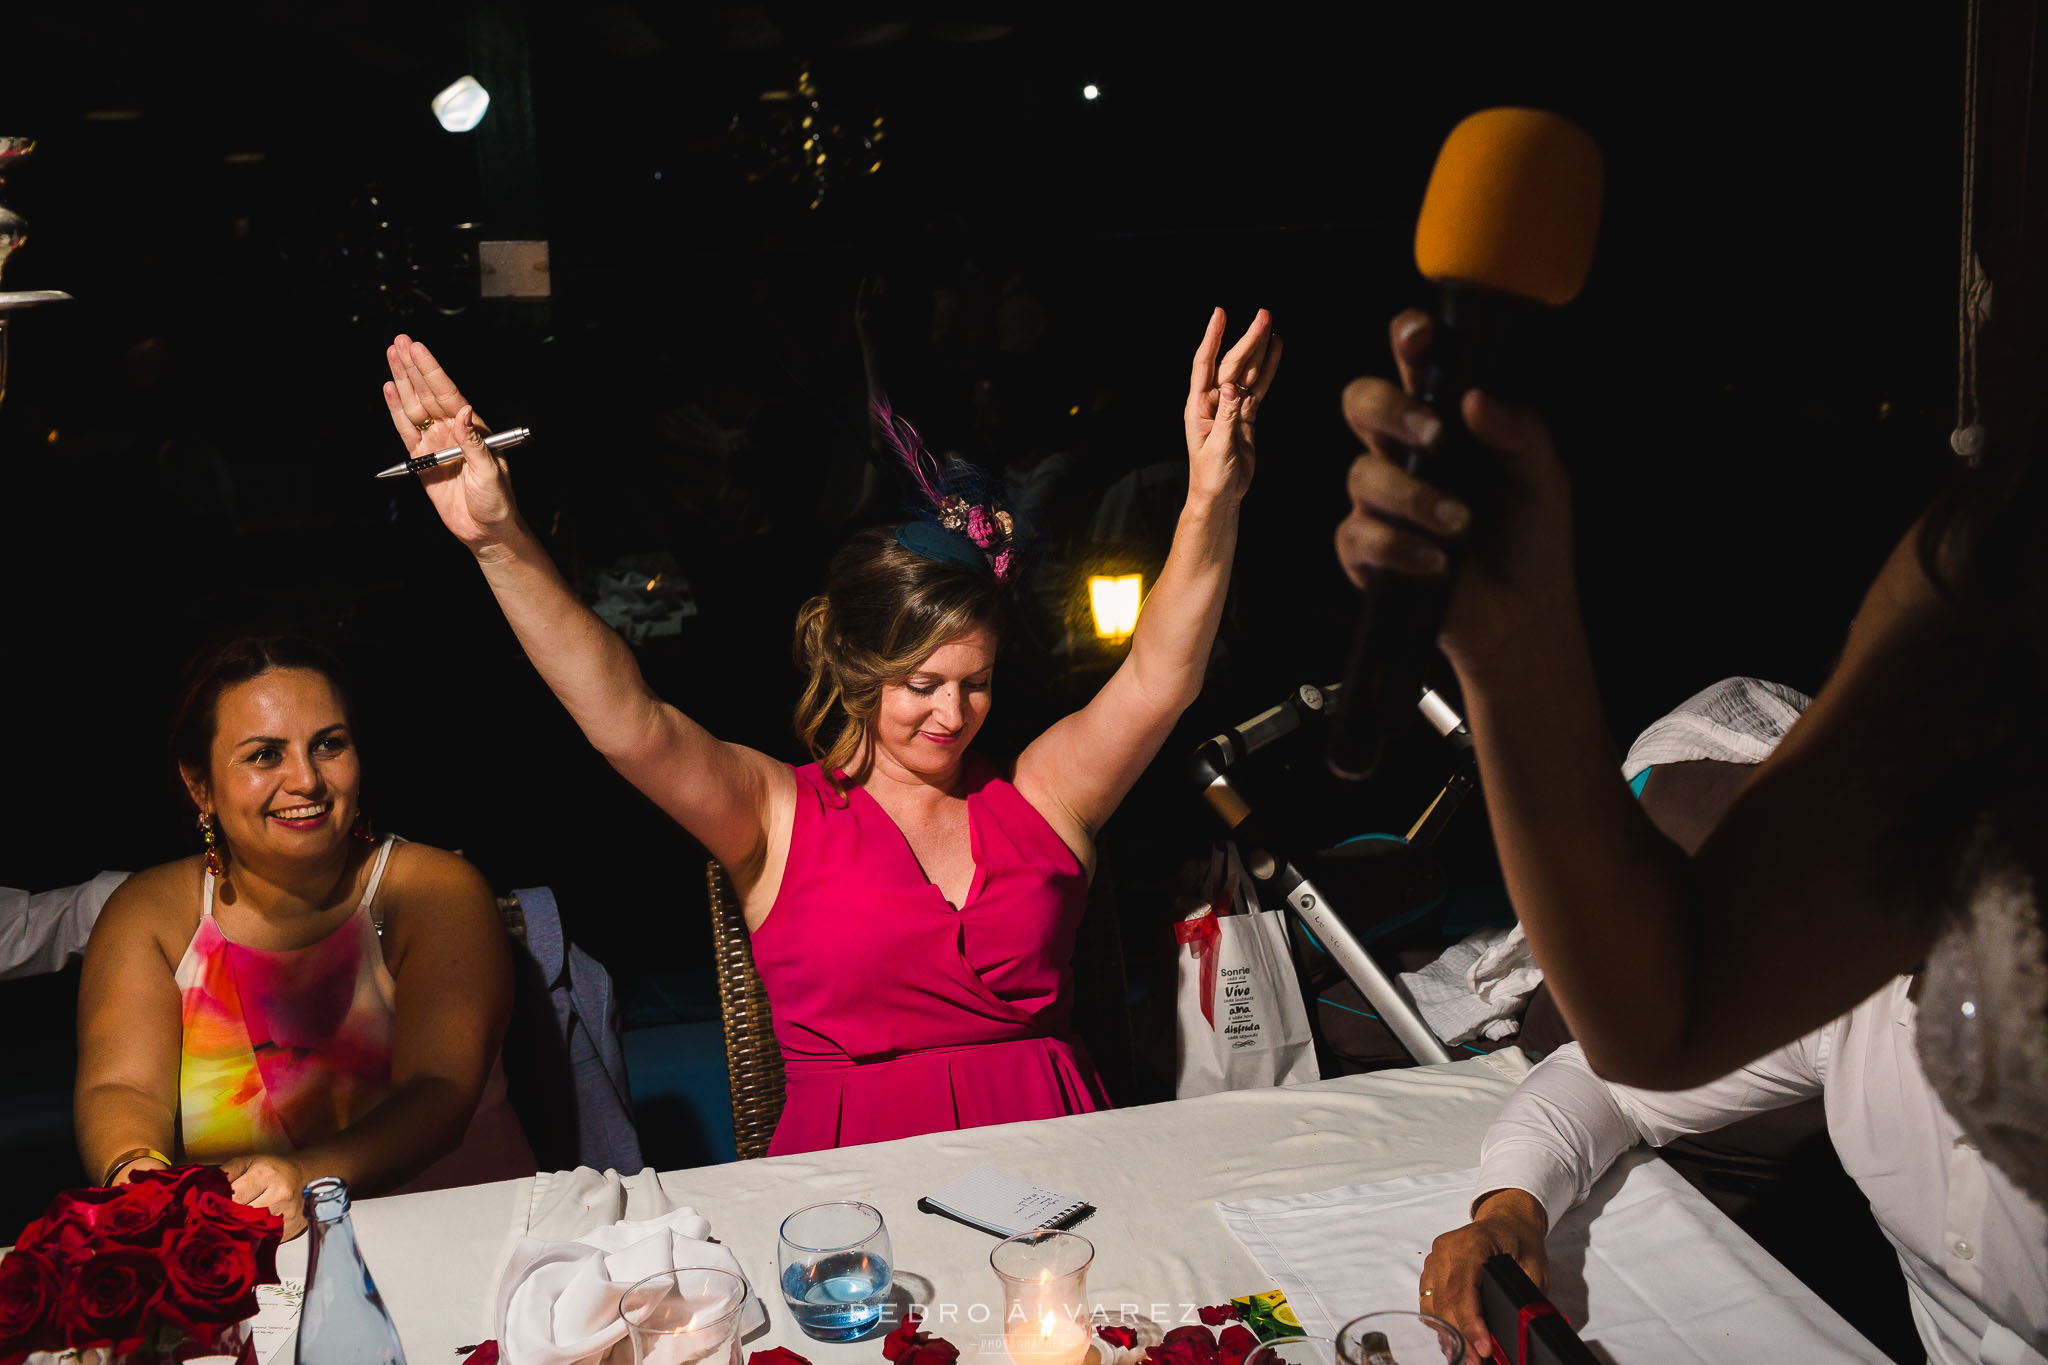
(558, 1303)
(1476, 986)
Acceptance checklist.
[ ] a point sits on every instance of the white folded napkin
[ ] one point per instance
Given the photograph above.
(558, 1303)
(1476, 986)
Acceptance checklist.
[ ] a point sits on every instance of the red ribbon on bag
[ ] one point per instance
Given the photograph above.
(1204, 934)
(1542, 1308)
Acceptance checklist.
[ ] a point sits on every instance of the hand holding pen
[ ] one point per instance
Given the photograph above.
(420, 464)
(472, 494)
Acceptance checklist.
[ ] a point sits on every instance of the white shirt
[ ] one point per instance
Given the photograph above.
(43, 932)
(1973, 1247)
(1737, 720)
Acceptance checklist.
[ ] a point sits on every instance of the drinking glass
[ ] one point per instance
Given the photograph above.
(1045, 1296)
(685, 1316)
(1399, 1337)
(1294, 1351)
(833, 1260)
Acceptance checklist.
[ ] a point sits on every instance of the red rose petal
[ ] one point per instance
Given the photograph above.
(210, 1279)
(65, 1238)
(1237, 1342)
(107, 1299)
(899, 1342)
(30, 1289)
(1123, 1338)
(1219, 1313)
(140, 1215)
(933, 1351)
(776, 1355)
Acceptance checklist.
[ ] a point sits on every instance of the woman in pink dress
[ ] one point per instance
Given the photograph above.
(913, 905)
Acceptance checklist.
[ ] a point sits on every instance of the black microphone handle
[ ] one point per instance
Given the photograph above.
(1401, 614)
(1384, 673)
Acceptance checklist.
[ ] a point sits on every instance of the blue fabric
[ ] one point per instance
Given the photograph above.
(587, 1015)
(1640, 781)
(680, 1087)
(936, 542)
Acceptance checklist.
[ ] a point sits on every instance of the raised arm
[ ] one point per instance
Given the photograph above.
(1671, 970)
(1079, 770)
(727, 795)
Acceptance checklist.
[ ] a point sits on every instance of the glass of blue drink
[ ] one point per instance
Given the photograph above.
(833, 1260)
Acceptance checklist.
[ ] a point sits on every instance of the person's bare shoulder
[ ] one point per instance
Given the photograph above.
(420, 880)
(437, 909)
(159, 905)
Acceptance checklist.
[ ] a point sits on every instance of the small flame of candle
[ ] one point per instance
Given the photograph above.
(1045, 1325)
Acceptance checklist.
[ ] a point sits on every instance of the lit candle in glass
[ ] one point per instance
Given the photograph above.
(1055, 1340)
(1045, 1296)
(686, 1316)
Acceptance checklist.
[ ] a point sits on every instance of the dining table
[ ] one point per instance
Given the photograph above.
(1159, 1176)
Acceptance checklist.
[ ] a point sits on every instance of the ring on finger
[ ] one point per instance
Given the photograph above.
(425, 424)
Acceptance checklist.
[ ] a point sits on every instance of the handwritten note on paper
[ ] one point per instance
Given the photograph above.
(277, 1317)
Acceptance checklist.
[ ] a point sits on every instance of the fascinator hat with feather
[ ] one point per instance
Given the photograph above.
(961, 515)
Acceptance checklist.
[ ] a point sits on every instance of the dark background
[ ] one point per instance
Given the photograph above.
(1753, 393)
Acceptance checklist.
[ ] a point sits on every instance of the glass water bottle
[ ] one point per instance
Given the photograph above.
(343, 1320)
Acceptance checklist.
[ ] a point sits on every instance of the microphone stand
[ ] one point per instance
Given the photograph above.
(1276, 876)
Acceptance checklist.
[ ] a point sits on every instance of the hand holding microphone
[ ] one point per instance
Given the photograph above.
(1400, 523)
(1506, 230)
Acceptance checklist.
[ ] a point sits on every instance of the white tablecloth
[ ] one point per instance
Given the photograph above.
(1155, 1174)
(1642, 1267)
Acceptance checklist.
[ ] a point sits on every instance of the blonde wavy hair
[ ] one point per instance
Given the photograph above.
(884, 610)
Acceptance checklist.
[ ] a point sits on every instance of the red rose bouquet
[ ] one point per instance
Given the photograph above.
(162, 1269)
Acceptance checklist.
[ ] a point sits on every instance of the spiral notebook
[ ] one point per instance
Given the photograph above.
(1004, 1203)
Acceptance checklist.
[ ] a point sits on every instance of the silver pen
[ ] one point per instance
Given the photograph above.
(497, 440)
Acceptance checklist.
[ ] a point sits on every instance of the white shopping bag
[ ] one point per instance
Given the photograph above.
(1241, 1022)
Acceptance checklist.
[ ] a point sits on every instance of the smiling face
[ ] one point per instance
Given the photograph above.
(282, 780)
(925, 721)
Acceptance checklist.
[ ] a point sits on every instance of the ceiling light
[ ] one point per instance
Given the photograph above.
(461, 106)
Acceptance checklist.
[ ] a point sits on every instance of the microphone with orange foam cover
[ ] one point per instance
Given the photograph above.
(1506, 230)
(1512, 206)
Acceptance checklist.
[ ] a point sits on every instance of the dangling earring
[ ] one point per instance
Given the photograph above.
(361, 829)
(216, 857)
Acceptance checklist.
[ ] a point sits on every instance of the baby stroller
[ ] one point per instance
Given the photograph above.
(1361, 891)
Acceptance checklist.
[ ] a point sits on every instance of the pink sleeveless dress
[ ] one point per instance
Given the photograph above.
(898, 1014)
(283, 1048)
